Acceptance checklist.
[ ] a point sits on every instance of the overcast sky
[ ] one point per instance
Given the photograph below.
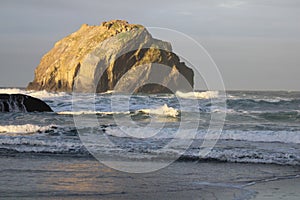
(255, 43)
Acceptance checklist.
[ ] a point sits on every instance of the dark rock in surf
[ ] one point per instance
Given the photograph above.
(22, 103)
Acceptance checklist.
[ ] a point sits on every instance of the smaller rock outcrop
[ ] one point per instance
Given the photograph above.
(22, 103)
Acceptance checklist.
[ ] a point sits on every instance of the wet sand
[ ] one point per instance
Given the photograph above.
(32, 176)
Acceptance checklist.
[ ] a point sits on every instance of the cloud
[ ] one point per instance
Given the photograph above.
(231, 4)
(185, 13)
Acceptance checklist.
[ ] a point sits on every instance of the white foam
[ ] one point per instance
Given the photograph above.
(32, 144)
(263, 136)
(257, 136)
(198, 95)
(77, 113)
(238, 135)
(36, 94)
(12, 91)
(89, 113)
(258, 100)
(108, 92)
(164, 111)
(45, 94)
(215, 109)
(24, 129)
(253, 156)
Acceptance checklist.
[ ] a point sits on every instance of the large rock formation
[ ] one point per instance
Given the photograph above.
(22, 103)
(113, 56)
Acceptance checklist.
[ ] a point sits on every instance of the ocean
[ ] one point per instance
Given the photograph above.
(259, 136)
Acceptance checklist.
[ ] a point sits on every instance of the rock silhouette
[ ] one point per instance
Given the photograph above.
(22, 103)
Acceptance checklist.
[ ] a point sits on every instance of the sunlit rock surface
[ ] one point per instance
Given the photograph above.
(113, 56)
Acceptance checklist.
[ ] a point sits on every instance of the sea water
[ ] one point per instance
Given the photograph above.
(259, 127)
(255, 154)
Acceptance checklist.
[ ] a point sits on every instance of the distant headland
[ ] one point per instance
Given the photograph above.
(95, 58)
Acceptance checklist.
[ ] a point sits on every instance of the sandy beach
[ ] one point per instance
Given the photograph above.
(32, 176)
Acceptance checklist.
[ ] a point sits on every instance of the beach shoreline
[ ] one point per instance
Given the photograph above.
(50, 176)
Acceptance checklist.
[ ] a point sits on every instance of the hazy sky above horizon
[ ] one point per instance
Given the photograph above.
(255, 43)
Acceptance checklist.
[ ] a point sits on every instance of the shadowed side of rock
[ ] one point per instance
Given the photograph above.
(147, 65)
(22, 103)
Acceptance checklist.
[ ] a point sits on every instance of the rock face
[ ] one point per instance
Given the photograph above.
(113, 56)
(22, 103)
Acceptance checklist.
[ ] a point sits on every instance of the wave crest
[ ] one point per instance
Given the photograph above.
(36, 94)
(24, 129)
(164, 111)
(198, 95)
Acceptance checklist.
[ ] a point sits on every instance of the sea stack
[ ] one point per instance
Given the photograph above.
(116, 56)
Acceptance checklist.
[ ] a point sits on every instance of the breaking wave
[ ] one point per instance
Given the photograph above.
(40, 145)
(163, 111)
(198, 95)
(246, 156)
(24, 129)
(37, 94)
(90, 113)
